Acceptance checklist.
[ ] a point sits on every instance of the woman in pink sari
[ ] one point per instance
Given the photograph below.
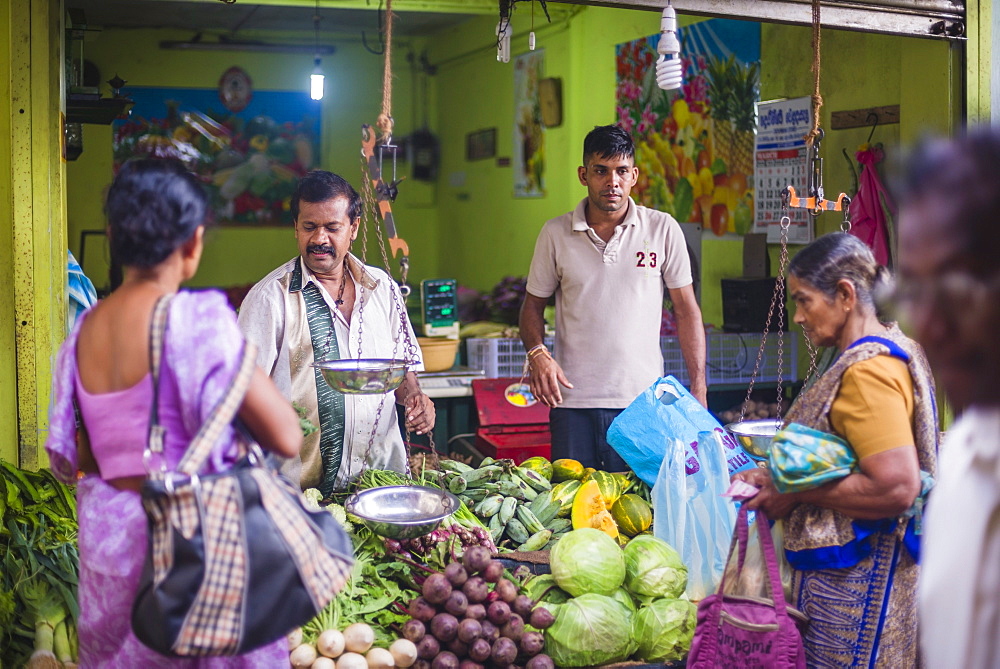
(156, 212)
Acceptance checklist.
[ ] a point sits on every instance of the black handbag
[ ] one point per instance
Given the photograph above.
(236, 559)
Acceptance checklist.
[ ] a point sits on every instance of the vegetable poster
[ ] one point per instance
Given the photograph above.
(694, 146)
(248, 160)
(529, 133)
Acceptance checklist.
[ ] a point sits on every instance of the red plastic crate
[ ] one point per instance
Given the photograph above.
(506, 430)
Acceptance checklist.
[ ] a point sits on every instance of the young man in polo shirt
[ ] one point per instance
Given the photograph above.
(608, 263)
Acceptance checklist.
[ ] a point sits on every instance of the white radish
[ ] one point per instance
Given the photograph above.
(330, 643)
(294, 638)
(380, 658)
(358, 638)
(303, 656)
(404, 652)
(352, 661)
(323, 663)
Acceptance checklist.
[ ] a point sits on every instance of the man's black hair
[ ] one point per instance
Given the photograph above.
(320, 186)
(608, 141)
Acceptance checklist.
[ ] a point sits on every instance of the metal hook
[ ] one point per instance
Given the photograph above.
(868, 119)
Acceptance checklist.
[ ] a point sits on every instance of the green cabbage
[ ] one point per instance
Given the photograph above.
(663, 630)
(587, 561)
(590, 630)
(543, 588)
(622, 596)
(653, 568)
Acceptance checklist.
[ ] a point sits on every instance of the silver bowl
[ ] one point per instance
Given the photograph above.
(755, 436)
(401, 511)
(364, 376)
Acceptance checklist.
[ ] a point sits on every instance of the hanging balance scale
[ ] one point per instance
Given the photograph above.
(755, 436)
(400, 511)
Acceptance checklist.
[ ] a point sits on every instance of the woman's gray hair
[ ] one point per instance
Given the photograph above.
(837, 256)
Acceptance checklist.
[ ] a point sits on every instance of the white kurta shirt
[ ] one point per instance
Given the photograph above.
(960, 570)
(273, 318)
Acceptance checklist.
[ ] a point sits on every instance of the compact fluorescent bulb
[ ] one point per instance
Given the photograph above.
(316, 80)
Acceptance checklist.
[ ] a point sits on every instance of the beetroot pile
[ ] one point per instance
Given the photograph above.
(471, 617)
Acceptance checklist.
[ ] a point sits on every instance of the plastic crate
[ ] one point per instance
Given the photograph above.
(498, 357)
(730, 357)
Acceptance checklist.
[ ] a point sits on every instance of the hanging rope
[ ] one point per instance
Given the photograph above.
(384, 122)
(817, 99)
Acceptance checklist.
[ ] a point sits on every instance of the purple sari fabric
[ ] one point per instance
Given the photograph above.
(201, 354)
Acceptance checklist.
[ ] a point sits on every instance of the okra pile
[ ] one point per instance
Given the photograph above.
(518, 505)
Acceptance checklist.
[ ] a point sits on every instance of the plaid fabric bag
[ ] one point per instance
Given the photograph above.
(235, 560)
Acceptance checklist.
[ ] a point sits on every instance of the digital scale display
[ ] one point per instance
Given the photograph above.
(439, 300)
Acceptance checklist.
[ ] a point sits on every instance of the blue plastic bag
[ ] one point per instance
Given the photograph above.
(690, 512)
(663, 412)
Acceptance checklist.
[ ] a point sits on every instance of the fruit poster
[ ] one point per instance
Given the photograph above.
(781, 160)
(694, 146)
(249, 161)
(528, 155)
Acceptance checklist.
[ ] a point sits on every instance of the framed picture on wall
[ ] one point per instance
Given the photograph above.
(481, 144)
(248, 156)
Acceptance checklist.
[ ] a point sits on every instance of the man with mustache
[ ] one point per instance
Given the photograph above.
(608, 263)
(326, 304)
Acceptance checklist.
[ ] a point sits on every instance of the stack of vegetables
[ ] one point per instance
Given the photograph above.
(611, 604)
(39, 566)
(472, 616)
(386, 572)
(531, 505)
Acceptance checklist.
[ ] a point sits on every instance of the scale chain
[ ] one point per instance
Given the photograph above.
(402, 333)
(779, 290)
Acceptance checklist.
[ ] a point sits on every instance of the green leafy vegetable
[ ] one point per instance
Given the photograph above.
(587, 561)
(663, 630)
(653, 568)
(590, 631)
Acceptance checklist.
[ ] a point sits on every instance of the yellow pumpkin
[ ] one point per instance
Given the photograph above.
(540, 465)
(589, 510)
(566, 469)
(632, 514)
(610, 486)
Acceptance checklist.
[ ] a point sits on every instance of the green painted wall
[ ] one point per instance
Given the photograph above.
(239, 255)
(469, 225)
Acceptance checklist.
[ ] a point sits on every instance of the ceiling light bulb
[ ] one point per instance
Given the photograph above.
(316, 80)
(669, 69)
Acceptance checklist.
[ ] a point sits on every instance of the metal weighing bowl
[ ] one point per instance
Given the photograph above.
(401, 511)
(755, 436)
(365, 376)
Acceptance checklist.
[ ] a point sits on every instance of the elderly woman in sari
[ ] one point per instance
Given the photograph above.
(853, 542)
(949, 295)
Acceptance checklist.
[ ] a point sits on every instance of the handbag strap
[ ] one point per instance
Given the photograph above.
(741, 537)
(156, 433)
(222, 413)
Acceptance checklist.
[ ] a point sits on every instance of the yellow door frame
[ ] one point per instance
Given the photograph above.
(34, 299)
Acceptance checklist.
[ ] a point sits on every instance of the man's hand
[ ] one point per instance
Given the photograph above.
(775, 504)
(546, 377)
(420, 413)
